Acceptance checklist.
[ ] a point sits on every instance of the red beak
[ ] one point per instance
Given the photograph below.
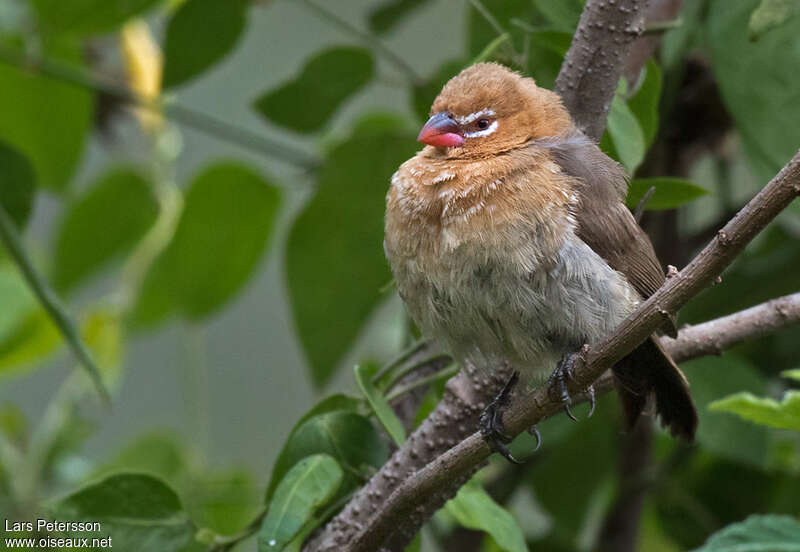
(441, 131)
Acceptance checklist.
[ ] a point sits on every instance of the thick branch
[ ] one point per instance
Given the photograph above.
(455, 465)
(596, 59)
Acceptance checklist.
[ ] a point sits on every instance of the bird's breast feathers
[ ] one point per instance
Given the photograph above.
(486, 257)
(439, 206)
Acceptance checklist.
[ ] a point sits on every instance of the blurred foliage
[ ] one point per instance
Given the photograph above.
(134, 247)
(319, 88)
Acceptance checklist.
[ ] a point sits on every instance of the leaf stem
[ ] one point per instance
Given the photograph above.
(407, 353)
(491, 47)
(50, 302)
(405, 370)
(447, 372)
(657, 27)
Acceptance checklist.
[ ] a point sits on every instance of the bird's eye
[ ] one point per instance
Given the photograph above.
(483, 124)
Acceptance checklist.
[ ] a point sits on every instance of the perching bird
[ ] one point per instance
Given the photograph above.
(511, 244)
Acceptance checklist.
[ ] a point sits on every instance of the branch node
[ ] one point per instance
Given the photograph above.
(723, 238)
(672, 271)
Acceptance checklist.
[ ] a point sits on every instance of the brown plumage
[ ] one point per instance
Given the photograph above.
(510, 241)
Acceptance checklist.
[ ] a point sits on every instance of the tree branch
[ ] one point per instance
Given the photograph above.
(596, 59)
(713, 337)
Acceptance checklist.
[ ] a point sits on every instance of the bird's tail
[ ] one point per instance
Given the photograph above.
(649, 369)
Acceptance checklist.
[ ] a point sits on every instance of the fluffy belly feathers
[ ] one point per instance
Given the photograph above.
(489, 304)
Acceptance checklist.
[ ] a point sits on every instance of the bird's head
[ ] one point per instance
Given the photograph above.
(487, 109)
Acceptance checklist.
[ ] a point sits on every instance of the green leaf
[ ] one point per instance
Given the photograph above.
(16, 298)
(570, 506)
(415, 545)
(670, 192)
(138, 511)
(644, 103)
(285, 460)
(102, 330)
(222, 500)
(480, 32)
(199, 34)
(770, 14)
(50, 119)
(487, 53)
(306, 103)
(227, 220)
(546, 54)
(87, 16)
(563, 15)
(390, 13)
(32, 338)
(769, 533)
(422, 95)
(160, 454)
(475, 509)
(105, 223)
(754, 84)
(791, 374)
(386, 416)
(17, 184)
(308, 486)
(349, 437)
(335, 265)
(719, 433)
(225, 500)
(763, 411)
(626, 134)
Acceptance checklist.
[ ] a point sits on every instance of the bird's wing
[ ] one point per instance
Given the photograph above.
(604, 222)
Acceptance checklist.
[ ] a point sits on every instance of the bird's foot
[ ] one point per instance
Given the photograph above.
(491, 422)
(557, 383)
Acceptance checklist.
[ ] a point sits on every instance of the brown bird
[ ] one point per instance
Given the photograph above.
(511, 244)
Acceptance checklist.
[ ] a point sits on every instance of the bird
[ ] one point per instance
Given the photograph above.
(511, 245)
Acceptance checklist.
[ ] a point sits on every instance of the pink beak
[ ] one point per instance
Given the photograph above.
(441, 131)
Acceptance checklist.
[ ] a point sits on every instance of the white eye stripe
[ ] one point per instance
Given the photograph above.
(485, 132)
(467, 119)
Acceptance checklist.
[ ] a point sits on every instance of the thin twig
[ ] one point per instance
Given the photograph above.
(413, 367)
(208, 124)
(639, 211)
(369, 39)
(445, 373)
(658, 27)
(498, 28)
(50, 302)
(404, 355)
(715, 336)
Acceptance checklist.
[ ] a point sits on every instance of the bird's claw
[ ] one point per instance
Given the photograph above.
(592, 400)
(491, 422)
(533, 430)
(558, 384)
